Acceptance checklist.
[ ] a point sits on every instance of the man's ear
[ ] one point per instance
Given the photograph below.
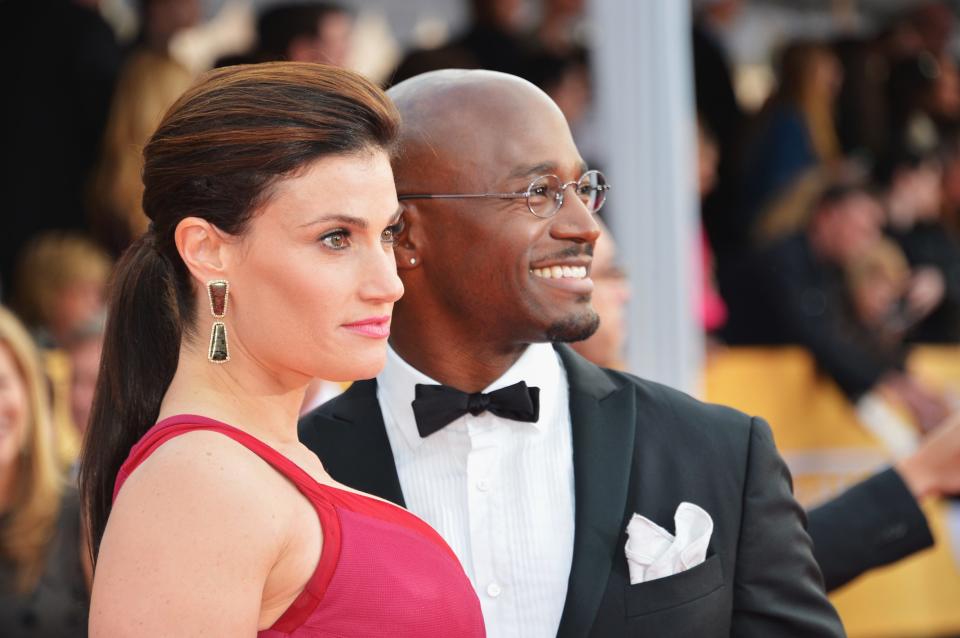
(201, 246)
(408, 248)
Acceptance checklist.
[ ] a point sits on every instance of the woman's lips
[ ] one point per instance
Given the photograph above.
(374, 327)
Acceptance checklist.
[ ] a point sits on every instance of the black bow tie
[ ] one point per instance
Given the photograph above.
(438, 405)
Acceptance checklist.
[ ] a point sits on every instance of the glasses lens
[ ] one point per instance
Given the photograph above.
(592, 190)
(544, 196)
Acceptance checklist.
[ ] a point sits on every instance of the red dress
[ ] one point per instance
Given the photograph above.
(382, 571)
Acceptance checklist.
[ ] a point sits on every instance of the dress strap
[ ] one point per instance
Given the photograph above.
(174, 426)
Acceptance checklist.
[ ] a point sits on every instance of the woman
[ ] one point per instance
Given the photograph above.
(795, 131)
(268, 263)
(43, 589)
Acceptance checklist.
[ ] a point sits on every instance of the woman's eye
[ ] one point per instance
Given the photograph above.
(389, 235)
(336, 241)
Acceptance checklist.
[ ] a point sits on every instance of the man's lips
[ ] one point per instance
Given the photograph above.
(570, 274)
(373, 327)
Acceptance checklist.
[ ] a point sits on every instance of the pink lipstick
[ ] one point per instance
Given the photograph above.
(374, 327)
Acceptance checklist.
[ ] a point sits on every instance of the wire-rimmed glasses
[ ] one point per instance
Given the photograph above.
(545, 194)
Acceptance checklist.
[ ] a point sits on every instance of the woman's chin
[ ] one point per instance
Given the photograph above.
(355, 370)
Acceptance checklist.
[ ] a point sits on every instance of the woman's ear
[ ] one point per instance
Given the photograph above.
(201, 246)
(407, 247)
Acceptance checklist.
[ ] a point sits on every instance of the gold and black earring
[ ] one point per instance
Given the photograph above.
(218, 291)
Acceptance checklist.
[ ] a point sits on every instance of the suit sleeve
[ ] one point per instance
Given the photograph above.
(778, 586)
(874, 523)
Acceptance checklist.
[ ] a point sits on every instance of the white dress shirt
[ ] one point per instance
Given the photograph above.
(500, 492)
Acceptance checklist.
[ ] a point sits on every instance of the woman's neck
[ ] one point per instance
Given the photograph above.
(238, 392)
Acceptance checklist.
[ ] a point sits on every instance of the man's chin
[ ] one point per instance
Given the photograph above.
(574, 327)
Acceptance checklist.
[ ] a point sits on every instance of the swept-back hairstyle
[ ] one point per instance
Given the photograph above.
(39, 483)
(215, 155)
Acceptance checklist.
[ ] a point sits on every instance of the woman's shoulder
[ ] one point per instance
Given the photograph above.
(202, 479)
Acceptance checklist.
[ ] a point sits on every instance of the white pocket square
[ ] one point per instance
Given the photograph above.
(653, 552)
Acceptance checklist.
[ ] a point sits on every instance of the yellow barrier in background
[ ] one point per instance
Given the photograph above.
(827, 448)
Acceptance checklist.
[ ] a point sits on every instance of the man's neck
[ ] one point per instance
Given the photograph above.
(467, 365)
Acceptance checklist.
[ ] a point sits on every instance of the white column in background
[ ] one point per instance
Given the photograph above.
(642, 63)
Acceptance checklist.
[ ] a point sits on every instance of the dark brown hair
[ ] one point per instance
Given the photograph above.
(215, 155)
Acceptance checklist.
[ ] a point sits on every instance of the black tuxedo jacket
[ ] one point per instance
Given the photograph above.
(641, 447)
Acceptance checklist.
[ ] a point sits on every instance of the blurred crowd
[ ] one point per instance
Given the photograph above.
(831, 215)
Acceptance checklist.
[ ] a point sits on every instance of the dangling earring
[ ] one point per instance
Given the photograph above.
(218, 291)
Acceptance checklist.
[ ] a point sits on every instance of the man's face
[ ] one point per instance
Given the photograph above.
(497, 267)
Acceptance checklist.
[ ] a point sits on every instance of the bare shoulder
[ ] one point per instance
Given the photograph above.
(191, 540)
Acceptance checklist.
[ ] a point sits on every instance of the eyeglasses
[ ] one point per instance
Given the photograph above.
(545, 194)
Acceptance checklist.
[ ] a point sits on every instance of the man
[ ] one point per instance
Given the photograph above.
(534, 486)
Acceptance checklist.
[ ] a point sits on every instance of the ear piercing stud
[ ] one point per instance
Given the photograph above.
(413, 260)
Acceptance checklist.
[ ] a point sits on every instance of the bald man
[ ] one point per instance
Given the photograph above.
(528, 459)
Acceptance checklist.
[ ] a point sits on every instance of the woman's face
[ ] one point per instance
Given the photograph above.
(14, 409)
(313, 280)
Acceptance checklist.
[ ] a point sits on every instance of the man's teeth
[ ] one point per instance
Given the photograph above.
(561, 272)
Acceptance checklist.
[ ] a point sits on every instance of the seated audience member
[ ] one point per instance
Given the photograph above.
(300, 32)
(60, 284)
(886, 299)
(43, 585)
(877, 521)
(913, 194)
(793, 292)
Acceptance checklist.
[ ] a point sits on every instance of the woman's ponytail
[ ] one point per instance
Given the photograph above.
(140, 351)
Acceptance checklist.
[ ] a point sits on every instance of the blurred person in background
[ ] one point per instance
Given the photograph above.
(611, 292)
(300, 32)
(150, 83)
(494, 40)
(934, 24)
(61, 283)
(923, 93)
(43, 578)
(84, 349)
(795, 130)
(912, 187)
(950, 192)
(721, 114)
(162, 20)
(560, 31)
(794, 292)
(62, 62)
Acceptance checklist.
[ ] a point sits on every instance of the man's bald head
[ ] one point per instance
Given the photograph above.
(459, 126)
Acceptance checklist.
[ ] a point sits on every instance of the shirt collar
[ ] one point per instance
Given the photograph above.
(538, 366)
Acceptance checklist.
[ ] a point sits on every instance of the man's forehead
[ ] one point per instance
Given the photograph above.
(479, 120)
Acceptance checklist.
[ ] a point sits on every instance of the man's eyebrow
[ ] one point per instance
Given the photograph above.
(359, 222)
(543, 168)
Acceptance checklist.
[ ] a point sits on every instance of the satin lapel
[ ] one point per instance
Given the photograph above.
(354, 440)
(603, 417)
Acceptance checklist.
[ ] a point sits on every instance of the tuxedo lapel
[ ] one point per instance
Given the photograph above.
(603, 418)
(355, 449)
